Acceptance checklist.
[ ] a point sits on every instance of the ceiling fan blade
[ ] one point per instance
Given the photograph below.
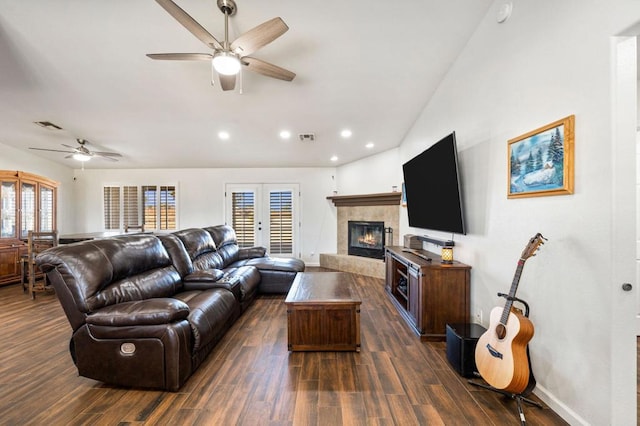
(259, 36)
(52, 150)
(189, 23)
(227, 82)
(265, 68)
(181, 56)
(106, 157)
(74, 148)
(106, 154)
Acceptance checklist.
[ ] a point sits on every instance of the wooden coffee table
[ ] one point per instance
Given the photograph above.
(323, 312)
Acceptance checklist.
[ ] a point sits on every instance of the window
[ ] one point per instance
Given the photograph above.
(111, 207)
(130, 206)
(167, 207)
(149, 205)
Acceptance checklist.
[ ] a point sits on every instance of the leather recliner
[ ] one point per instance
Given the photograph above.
(146, 310)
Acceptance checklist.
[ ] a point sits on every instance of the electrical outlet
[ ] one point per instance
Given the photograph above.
(479, 316)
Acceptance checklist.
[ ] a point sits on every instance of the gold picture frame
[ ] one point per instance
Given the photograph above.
(540, 163)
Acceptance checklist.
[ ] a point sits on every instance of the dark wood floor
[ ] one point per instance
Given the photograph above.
(250, 378)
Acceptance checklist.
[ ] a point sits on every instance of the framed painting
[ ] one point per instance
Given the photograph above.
(540, 162)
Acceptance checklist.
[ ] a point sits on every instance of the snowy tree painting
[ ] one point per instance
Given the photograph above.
(537, 160)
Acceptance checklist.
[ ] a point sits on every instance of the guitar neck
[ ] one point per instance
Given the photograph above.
(512, 292)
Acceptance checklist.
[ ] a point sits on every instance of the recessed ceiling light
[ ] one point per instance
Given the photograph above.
(223, 135)
(346, 133)
(334, 158)
(369, 145)
(285, 134)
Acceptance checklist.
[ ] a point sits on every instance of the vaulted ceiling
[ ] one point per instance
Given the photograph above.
(365, 65)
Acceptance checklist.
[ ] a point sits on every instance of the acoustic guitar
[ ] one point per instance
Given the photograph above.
(501, 355)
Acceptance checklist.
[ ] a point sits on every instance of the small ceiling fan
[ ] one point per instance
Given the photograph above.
(82, 153)
(228, 58)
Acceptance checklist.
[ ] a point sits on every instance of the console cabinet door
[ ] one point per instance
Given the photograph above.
(415, 297)
(9, 264)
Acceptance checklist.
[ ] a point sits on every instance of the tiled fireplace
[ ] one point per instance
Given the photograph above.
(379, 208)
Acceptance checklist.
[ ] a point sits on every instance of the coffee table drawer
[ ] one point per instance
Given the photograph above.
(324, 328)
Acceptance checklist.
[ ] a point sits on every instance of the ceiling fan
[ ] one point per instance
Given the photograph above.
(82, 153)
(227, 58)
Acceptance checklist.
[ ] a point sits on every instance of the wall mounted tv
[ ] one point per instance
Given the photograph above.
(432, 188)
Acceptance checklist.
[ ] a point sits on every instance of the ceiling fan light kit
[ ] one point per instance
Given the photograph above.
(81, 157)
(226, 63)
(228, 58)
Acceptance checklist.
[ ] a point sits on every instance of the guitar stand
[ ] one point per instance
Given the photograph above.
(518, 397)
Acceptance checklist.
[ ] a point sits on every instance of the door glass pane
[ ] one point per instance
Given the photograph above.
(281, 222)
(28, 206)
(167, 207)
(243, 217)
(150, 202)
(8, 213)
(46, 209)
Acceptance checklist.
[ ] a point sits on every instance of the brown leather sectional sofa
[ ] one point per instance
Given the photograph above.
(146, 309)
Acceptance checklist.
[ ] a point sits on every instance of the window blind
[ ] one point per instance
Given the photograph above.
(111, 207)
(167, 207)
(150, 203)
(281, 222)
(243, 214)
(130, 206)
(46, 209)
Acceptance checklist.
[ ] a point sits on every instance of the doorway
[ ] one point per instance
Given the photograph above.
(265, 215)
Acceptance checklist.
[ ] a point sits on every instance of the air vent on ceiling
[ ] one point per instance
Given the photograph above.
(307, 137)
(48, 125)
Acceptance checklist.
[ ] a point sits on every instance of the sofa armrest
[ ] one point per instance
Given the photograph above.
(251, 252)
(140, 312)
(227, 282)
(204, 275)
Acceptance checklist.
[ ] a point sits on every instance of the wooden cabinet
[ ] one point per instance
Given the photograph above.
(428, 294)
(27, 203)
(11, 253)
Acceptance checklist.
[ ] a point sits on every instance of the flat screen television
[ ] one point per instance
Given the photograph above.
(432, 188)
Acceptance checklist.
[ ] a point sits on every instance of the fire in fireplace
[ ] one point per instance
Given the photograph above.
(366, 239)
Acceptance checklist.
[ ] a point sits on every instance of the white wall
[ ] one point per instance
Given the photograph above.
(201, 198)
(551, 59)
(375, 174)
(14, 159)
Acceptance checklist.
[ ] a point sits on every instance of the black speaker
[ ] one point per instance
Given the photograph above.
(461, 347)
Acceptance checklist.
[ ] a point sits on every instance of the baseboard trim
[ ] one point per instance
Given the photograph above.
(559, 407)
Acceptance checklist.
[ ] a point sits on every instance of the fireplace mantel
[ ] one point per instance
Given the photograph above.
(381, 199)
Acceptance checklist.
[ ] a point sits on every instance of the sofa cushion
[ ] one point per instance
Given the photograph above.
(283, 264)
(205, 275)
(209, 313)
(140, 312)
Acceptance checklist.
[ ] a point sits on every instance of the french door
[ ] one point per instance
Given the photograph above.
(264, 215)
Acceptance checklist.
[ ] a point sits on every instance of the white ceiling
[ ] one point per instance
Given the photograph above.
(366, 65)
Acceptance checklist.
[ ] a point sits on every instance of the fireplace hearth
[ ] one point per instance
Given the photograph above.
(366, 239)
